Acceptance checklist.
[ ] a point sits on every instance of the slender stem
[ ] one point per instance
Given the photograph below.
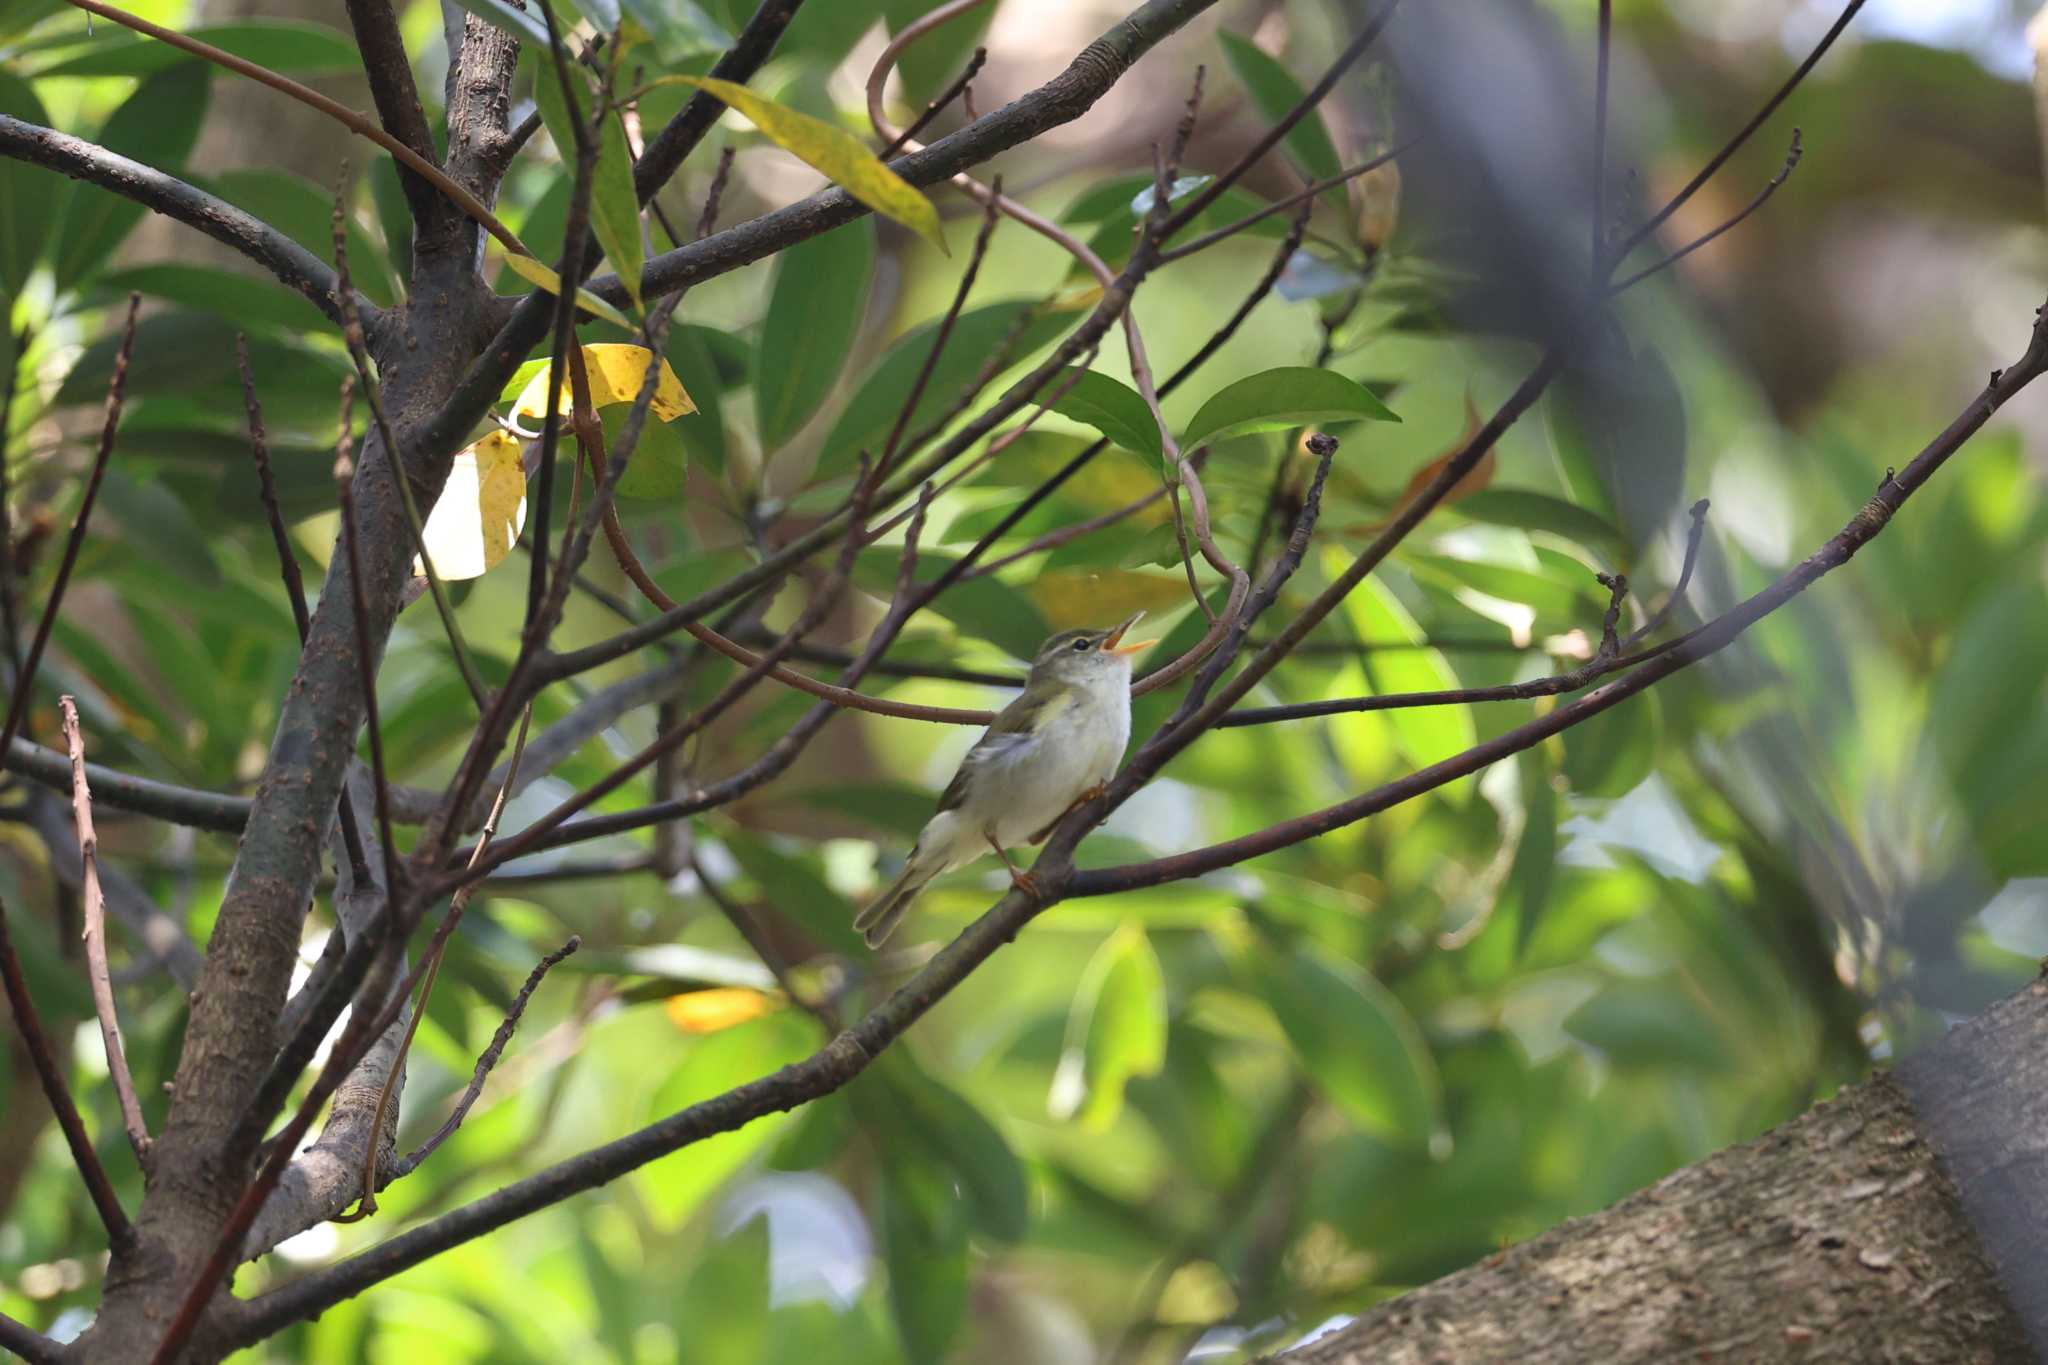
(94, 904)
(1305, 196)
(1784, 172)
(340, 113)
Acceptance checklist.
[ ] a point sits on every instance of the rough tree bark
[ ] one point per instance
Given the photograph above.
(1898, 1221)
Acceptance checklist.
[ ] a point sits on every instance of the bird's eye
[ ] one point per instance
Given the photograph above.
(1081, 645)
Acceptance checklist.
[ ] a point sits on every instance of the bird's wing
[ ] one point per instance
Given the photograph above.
(1016, 724)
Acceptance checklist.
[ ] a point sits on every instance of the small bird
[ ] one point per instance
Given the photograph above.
(1046, 752)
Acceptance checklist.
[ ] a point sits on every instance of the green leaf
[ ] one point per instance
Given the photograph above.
(247, 299)
(304, 212)
(1651, 1024)
(1527, 892)
(1277, 400)
(292, 46)
(1424, 734)
(1532, 511)
(1618, 423)
(1611, 754)
(1357, 1043)
(690, 355)
(660, 463)
(791, 886)
(713, 1063)
(1274, 91)
(29, 195)
(1116, 1030)
(835, 153)
(924, 1244)
(978, 334)
(1111, 406)
(158, 126)
(929, 1122)
(815, 308)
(721, 1309)
(986, 608)
(614, 207)
(679, 29)
(158, 526)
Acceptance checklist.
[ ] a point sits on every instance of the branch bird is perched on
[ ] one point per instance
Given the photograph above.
(1046, 752)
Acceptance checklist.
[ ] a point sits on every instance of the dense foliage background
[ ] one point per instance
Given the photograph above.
(1217, 1112)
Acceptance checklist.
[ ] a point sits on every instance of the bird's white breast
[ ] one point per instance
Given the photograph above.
(1039, 780)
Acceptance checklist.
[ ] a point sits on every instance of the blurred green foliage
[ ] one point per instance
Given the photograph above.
(1232, 1107)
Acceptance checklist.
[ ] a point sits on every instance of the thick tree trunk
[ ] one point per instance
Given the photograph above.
(1900, 1221)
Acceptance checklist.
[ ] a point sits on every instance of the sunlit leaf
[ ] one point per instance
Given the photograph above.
(1080, 597)
(1424, 734)
(481, 509)
(534, 272)
(616, 370)
(1276, 400)
(1532, 511)
(1116, 1030)
(835, 153)
(719, 1008)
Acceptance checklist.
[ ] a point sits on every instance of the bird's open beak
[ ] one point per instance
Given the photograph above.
(1111, 642)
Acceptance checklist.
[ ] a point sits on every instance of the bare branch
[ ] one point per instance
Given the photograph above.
(389, 71)
(31, 1346)
(94, 903)
(1792, 156)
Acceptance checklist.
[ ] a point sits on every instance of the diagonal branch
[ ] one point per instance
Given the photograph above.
(389, 70)
(293, 265)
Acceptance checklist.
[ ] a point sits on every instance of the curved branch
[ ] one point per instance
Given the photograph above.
(188, 806)
(292, 265)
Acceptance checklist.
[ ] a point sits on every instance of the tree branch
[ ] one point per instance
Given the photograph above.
(389, 70)
(292, 265)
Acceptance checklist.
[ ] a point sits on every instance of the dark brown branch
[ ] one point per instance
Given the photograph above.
(366, 650)
(30, 1345)
(94, 905)
(487, 1061)
(190, 806)
(290, 263)
(389, 71)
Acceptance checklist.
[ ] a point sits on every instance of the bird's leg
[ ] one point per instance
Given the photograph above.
(1083, 799)
(1019, 878)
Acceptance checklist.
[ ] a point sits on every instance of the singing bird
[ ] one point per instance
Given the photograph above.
(1046, 752)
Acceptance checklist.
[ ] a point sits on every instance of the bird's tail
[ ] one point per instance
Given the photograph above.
(882, 914)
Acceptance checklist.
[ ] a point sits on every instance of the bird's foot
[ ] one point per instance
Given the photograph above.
(1083, 799)
(1024, 882)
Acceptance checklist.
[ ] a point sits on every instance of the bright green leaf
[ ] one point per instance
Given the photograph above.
(1110, 406)
(815, 308)
(1116, 1030)
(1532, 511)
(1276, 400)
(1424, 734)
(529, 268)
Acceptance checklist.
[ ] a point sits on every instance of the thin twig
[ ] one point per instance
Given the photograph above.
(942, 335)
(1305, 196)
(94, 905)
(931, 111)
(1792, 156)
(348, 118)
(411, 1161)
(1693, 536)
(366, 653)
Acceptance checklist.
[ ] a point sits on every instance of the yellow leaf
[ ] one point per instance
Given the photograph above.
(836, 153)
(617, 370)
(529, 268)
(481, 511)
(721, 1007)
(1091, 598)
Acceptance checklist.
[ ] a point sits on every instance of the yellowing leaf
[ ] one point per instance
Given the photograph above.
(528, 268)
(834, 152)
(617, 370)
(718, 1009)
(481, 511)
